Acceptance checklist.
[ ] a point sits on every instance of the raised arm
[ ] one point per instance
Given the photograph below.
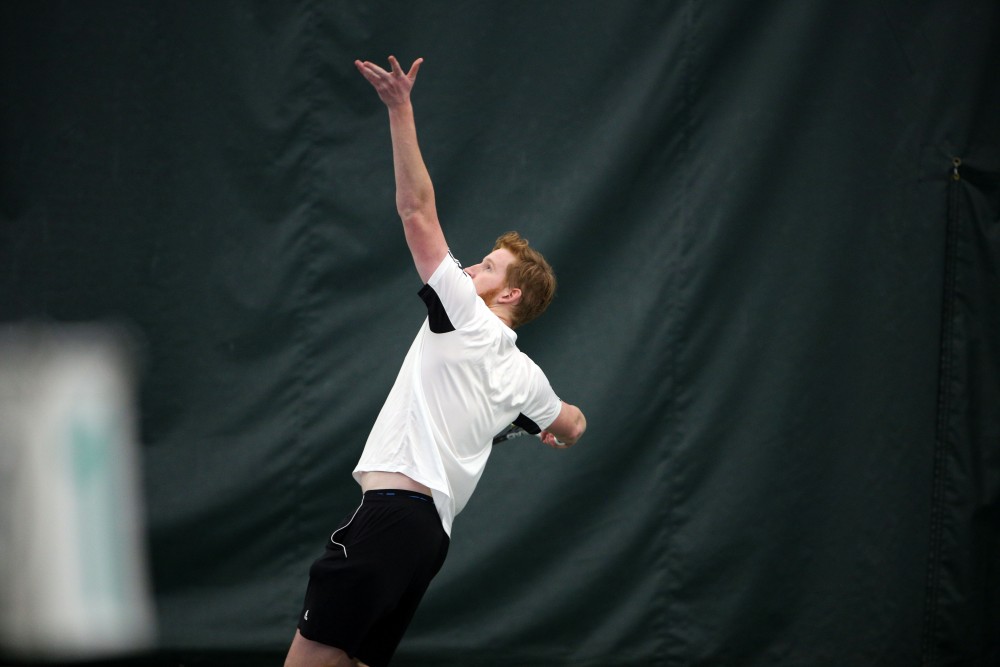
(414, 190)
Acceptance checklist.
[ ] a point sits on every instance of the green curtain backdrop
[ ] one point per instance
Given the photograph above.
(779, 307)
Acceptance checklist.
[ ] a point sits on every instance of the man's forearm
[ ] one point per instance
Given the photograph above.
(414, 190)
(568, 427)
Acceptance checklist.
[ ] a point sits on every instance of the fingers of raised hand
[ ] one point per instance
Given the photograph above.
(393, 86)
(374, 73)
(394, 66)
(414, 68)
(398, 69)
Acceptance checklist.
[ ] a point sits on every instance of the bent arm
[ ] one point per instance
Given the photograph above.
(414, 190)
(568, 427)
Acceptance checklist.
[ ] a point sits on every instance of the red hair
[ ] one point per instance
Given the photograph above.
(530, 273)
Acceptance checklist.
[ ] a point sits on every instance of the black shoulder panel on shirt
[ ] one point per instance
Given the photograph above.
(528, 425)
(437, 318)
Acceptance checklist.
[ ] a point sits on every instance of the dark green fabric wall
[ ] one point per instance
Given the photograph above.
(779, 307)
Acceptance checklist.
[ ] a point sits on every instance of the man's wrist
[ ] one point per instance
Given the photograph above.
(402, 107)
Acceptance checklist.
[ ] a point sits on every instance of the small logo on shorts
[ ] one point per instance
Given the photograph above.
(306, 617)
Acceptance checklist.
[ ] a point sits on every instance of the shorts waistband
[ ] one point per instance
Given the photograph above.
(399, 493)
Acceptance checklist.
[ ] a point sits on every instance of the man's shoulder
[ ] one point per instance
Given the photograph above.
(448, 269)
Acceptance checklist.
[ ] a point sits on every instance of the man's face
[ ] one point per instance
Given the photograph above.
(490, 275)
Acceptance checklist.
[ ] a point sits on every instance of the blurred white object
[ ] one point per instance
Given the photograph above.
(73, 567)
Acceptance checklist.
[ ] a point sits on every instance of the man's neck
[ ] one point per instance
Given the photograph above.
(503, 313)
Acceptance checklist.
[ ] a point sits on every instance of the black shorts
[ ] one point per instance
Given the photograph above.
(365, 588)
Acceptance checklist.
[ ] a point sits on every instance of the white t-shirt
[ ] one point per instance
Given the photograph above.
(462, 382)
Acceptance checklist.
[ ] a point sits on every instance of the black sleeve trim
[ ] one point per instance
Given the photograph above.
(436, 316)
(528, 425)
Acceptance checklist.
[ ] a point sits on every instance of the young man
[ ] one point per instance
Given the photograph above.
(462, 381)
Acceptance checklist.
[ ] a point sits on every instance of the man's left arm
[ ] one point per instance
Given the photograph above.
(414, 190)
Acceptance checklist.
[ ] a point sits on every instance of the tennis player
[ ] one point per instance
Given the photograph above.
(462, 381)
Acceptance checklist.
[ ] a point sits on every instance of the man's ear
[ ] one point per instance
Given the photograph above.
(511, 297)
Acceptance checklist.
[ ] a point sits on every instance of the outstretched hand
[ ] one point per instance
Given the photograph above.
(393, 86)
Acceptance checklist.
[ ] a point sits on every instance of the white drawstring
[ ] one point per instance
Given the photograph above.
(345, 526)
